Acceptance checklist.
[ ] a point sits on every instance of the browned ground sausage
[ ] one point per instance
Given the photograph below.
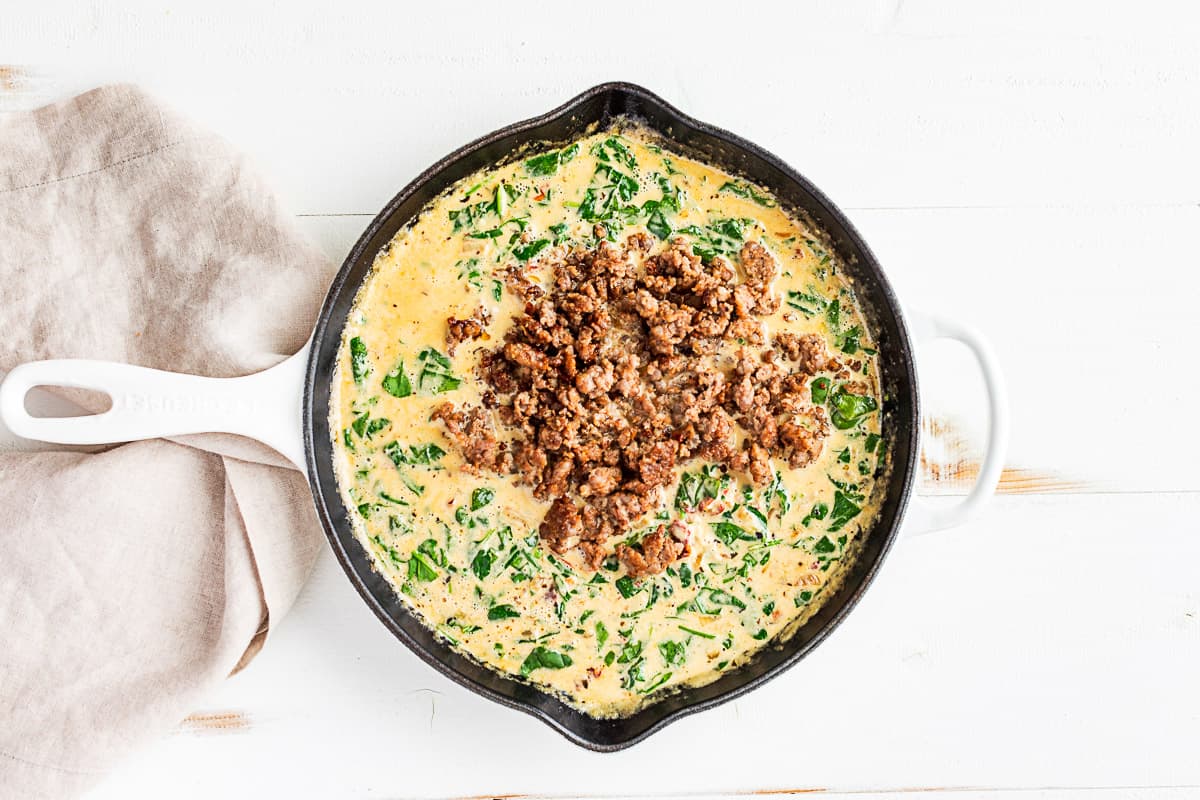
(608, 381)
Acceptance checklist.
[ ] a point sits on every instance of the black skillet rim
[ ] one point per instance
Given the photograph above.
(609, 736)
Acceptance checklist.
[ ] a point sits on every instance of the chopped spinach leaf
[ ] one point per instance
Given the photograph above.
(808, 303)
(360, 364)
(548, 163)
(470, 271)
(695, 632)
(396, 382)
(818, 511)
(852, 490)
(394, 501)
(710, 600)
(481, 497)
(435, 372)
(366, 427)
(481, 565)
(631, 651)
(504, 611)
(695, 487)
(820, 390)
(468, 216)
(542, 658)
(747, 191)
(844, 510)
(417, 454)
(847, 410)
(492, 233)
(777, 494)
(719, 237)
(613, 149)
(626, 586)
(657, 224)
(610, 203)
(673, 653)
(847, 341)
(412, 485)
(833, 313)
(728, 533)
(389, 551)
(421, 568)
(527, 251)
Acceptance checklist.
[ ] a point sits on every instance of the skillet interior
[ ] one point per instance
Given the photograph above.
(733, 154)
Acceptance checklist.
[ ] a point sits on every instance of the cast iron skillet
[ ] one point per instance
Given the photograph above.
(150, 403)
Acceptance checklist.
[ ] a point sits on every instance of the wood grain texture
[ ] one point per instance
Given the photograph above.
(1011, 654)
(950, 464)
(12, 78)
(883, 104)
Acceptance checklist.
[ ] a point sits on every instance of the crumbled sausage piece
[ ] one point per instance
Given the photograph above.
(562, 526)
(803, 436)
(602, 481)
(747, 330)
(594, 381)
(760, 268)
(656, 466)
(593, 553)
(554, 480)
(754, 461)
(807, 349)
(472, 432)
(525, 356)
(656, 551)
(641, 241)
(626, 507)
(757, 263)
(715, 433)
(611, 378)
(462, 330)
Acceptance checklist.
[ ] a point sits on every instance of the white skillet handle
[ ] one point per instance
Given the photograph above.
(150, 403)
(924, 517)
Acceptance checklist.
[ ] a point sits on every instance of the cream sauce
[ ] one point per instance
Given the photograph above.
(463, 550)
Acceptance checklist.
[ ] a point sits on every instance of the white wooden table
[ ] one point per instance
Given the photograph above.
(1029, 166)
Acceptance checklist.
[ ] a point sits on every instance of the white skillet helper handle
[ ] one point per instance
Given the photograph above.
(151, 403)
(923, 516)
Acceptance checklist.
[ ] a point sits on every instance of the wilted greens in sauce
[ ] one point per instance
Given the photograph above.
(462, 545)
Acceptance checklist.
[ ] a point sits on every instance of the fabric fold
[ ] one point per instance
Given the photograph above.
(134, 578)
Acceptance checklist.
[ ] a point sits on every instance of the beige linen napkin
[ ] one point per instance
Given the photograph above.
(136, 577)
